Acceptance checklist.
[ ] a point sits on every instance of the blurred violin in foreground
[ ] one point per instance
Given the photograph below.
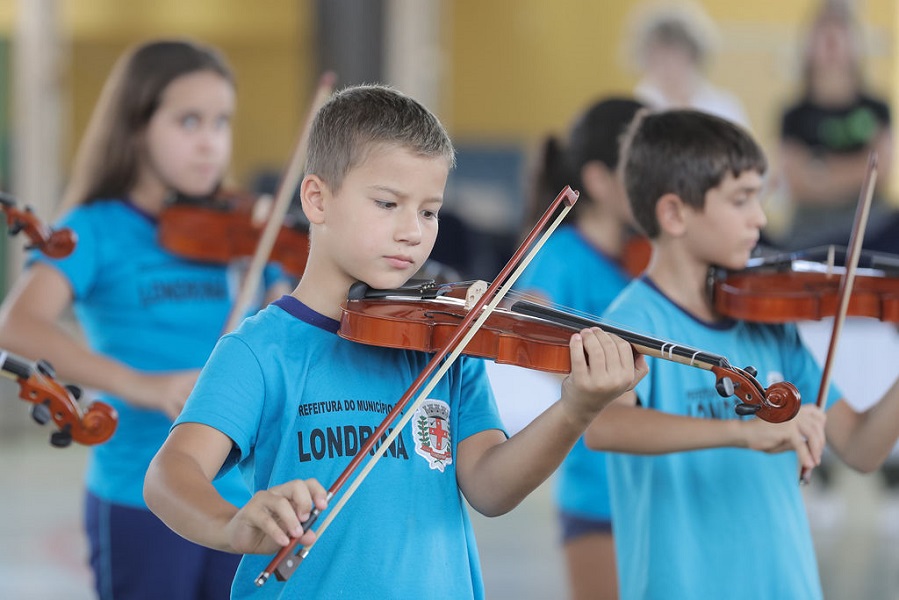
(55, 402)
(222, 229)
(52, 401)
(57, 243)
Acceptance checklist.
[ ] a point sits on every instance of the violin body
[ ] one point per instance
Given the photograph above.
(222, 230)
(426, 326)
(805, 286)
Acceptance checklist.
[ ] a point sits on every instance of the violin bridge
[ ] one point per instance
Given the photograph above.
(474, 293)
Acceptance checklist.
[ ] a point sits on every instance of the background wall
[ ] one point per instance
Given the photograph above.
(511, 70)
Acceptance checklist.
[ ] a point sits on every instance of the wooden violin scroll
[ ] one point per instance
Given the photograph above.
(55, 402)
(55, 243)
(778, 403)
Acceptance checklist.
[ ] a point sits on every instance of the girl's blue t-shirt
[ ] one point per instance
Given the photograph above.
(141, 305)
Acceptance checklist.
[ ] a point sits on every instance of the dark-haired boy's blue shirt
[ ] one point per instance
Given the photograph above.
(299, 401)
(686, 523)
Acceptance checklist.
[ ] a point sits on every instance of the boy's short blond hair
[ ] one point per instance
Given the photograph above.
(358, 118)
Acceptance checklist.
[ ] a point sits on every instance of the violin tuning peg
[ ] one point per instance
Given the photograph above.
(744, 409)
(45, 368)
(725, 387)
(40, 413)
(752, 371)
(75, 391)
(61, 438)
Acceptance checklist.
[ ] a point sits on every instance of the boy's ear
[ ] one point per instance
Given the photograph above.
(670, 213)
(312, 198)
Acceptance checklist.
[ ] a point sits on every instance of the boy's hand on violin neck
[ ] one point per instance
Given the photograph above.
(804, 434)
(603, 367)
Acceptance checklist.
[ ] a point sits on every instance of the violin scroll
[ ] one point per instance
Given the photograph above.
(55, 243)
(54, 401)
(778, 403)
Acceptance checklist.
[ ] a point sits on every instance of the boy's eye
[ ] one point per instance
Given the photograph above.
(386, 204)
(429, 214)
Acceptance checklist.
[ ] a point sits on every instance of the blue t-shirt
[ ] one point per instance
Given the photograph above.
(687, 522)
(145, 307)
(298, 401)
(571, 272)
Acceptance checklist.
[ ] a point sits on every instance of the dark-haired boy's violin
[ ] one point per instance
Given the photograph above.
(222, 229)
(804, 285)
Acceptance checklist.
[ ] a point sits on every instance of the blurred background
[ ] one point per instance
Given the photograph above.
(501, 75)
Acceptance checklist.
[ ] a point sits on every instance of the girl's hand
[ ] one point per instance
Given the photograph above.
(267, 522)
(162, 391)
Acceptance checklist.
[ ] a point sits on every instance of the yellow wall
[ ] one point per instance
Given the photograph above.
(267, 42)
(522, 68)
(516, 69)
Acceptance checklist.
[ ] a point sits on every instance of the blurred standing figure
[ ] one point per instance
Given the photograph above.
(827, 134)
(150, 319)
(672, 47)
(582, 268)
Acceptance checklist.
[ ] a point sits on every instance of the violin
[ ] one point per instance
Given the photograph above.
(53, 401)
(423, 316)
(221, 229)
(50, 400)
(55, 243)
(636, 255)
(805, 285)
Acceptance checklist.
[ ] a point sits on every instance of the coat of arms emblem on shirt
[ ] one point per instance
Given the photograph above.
(432, 433)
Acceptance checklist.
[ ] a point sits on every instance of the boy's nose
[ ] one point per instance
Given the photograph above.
(408, 227)
(761, 219)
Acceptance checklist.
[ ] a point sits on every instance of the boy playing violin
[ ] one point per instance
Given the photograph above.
(284, 397)
(727, 520)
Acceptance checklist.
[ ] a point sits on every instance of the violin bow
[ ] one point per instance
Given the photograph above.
(283, 197)
(847, 281)
(283, 565)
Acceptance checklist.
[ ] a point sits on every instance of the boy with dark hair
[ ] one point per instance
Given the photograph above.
(707, 504)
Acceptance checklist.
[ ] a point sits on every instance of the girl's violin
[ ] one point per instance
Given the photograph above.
(805, 285)
(55, 243)
(52, 401)
(222, 229)
(423, 316)
(636, 255)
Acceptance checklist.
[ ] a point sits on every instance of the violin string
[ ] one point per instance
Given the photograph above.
(667, 348)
